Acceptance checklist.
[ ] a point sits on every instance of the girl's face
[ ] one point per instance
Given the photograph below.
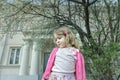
(60, 40)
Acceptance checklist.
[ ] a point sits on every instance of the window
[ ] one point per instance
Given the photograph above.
(14, 55)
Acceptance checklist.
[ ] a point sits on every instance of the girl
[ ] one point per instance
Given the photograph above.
(65, 62)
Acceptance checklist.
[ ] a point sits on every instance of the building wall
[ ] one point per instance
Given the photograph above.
(9, 70)
(6, 43)
(16, 41)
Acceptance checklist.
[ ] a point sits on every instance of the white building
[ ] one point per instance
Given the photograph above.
(20, 59)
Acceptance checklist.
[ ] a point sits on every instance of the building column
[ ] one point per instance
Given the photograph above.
(24, 66)
(2, 47)
(35, 59)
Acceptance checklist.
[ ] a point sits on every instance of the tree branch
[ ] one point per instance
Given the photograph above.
(19, 9)
(92, 2)
(75, 1)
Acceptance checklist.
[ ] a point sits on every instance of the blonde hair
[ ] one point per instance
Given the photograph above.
(70, 38)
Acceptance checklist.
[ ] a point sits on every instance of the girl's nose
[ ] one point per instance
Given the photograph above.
(57, 41)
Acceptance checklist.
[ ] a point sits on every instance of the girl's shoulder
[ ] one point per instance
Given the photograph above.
(55, 49)
(75, 49)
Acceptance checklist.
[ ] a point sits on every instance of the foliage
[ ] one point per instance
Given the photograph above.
(105, 65)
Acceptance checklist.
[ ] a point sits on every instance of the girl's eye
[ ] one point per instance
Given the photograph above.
(59, 37)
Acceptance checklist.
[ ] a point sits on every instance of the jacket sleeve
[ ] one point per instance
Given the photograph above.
(50, 64)
(80, 66)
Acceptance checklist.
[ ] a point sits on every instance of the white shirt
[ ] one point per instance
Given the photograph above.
(64, 61)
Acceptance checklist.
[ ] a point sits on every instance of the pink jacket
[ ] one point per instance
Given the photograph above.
(80, 68)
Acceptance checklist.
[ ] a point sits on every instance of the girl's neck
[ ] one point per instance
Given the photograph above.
(67, 47)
